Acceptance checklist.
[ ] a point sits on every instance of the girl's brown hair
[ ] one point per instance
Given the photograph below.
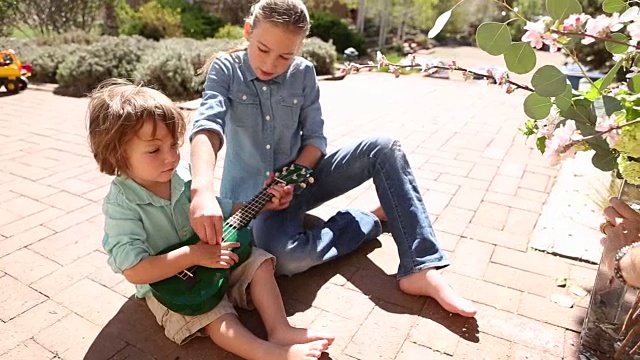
(289, 14)
(117, 110)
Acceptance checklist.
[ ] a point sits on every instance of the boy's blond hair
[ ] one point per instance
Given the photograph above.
(117, 110)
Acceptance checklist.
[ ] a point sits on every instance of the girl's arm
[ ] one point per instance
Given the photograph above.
(314, 143)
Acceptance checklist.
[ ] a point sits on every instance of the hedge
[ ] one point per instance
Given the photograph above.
(169, 64)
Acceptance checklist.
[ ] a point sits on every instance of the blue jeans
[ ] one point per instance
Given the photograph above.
(297, 249)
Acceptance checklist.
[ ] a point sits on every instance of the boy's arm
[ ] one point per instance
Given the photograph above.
(125, 243)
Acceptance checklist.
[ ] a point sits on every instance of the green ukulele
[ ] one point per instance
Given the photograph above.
(199, 289)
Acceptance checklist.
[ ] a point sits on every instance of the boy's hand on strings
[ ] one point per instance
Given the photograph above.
(206, 218)
(215, 256)
(282, 195)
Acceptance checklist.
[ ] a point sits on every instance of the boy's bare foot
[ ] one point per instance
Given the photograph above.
(290, 335)
(309, 351)
(430, 282)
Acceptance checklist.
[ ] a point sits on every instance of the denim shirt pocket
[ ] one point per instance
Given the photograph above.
(245, 108)
(290, 105)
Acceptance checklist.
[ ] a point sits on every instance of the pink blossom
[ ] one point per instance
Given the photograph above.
(574, 22)
(601, 26)
(535, 32)
(556, 146)
(634, 29)
(606, 123)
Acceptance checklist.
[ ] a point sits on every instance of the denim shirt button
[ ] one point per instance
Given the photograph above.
(267, 173)
(264, 88)
(244, 97)
(295, 101)
(268, 146)
(268, 117)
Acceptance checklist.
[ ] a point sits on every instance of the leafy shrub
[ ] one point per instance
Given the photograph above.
(152, 21)
(113, 57)
(321, 54)
(328, 26)
(47, 59)
(197, 23)
(169, 71)
(230, 31)
(71, 37)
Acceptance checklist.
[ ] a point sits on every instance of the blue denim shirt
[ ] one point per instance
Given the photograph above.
(264, 124)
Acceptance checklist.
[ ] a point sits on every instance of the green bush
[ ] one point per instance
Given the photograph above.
(230, 31)
(170, 64)
(112, 57)
(72, 37)
(328, 26)
(197, 23)
(321, 54)
(152, 21)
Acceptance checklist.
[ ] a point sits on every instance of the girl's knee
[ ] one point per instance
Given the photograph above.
(383, 142)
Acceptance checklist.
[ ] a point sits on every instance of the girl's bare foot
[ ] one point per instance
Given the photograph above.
(290, 335)
(430, 282)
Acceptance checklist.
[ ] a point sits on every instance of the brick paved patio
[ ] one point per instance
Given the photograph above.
(484, 188)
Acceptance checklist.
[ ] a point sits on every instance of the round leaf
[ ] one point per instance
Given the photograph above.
(549, 81)
(494, 38)
(520, 58)
(614, 6)
(634, 84)
(616, 48)
(561, 9)
(564, 100)
(441, 21)
(536, 106)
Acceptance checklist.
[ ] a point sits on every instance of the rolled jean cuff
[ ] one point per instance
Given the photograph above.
(436, 264)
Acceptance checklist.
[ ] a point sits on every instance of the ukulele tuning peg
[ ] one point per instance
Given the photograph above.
(311, 180)
(303, 185)
(277, 174)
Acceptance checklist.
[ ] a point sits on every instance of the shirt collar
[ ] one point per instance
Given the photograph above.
(135, 193)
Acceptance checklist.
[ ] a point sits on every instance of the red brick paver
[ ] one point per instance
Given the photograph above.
(483, 186)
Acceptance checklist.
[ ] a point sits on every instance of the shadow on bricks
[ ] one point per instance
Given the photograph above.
(352, 288)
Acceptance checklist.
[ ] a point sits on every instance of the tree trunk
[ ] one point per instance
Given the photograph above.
(362, 13)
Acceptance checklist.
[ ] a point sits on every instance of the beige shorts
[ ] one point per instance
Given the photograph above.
(181, 328)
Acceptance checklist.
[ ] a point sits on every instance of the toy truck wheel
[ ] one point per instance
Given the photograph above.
(12, 86)
(23, 83)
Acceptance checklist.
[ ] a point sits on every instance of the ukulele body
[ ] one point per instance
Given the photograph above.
(203, 291)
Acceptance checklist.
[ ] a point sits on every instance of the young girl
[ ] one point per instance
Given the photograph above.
(264, 102)
(134, 134)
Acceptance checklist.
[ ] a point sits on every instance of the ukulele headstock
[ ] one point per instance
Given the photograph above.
(295, 174)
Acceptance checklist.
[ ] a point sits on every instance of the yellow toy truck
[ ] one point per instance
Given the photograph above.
(13, 73)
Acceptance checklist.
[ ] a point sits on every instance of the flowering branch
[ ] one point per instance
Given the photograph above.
(502, 79)
(607, 39)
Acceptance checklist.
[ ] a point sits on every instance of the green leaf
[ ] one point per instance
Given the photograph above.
(616, 48)
(441, 21)
(549, 81)
(520, 58)
(604, 159)
(541, 144)
(536, 106)
(581, 110)
(606, 105)
(494, 38)
(613, 6)
(634, 84)
(608, 79)
(561, 9)
(562, 282)
(564, 100)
